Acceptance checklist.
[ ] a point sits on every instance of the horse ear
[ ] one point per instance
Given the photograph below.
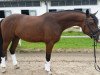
(95, 13)
(87, 13)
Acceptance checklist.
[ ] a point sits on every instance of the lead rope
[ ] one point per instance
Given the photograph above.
(95, 61)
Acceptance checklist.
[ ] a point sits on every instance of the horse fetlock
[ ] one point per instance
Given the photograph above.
(14, 59)
(47, 66)
(3, 62)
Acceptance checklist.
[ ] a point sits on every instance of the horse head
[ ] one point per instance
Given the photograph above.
(91, 26)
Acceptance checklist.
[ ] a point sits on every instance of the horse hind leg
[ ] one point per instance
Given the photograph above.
(3, 55)
(12, 51)
(1, 43)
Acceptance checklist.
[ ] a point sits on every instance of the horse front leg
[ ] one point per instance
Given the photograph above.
(48, 63)
(49, 47)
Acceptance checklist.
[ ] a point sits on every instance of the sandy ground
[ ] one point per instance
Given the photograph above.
(62, 64)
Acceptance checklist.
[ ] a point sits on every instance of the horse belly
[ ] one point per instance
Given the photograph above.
(30, 37)
(35, 39)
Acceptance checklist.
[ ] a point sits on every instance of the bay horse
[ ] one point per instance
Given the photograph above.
(45, 28)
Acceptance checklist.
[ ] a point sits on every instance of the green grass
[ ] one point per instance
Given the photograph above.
(72, 33)
(64, 44)
(74, 43)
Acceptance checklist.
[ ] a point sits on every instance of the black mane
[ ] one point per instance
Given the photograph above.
(68, 11)
(92, 15)
(94, 18)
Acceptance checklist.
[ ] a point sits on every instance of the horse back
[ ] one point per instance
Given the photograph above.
(30, 28)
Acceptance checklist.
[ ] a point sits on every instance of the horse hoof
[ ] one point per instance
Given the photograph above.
(3, 69)
(16, 67)
(49, 73)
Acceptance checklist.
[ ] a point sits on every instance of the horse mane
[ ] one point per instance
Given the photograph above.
(92, 15)
(94, 18)
(68, 11)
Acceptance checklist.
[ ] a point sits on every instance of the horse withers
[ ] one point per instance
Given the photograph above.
(46, 28)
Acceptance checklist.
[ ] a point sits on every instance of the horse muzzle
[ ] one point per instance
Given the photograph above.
(96, 36)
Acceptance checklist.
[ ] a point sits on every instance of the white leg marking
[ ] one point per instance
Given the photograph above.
(14, 59)
(47, 66)
(3, 62)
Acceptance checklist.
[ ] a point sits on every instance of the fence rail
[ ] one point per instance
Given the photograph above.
(75, 36)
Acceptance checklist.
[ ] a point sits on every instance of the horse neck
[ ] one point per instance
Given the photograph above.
(67, 20)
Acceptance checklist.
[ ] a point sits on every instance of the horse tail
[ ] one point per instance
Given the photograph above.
(1, 41)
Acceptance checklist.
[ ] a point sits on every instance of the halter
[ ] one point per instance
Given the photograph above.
(94, 36)
(93, 33)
